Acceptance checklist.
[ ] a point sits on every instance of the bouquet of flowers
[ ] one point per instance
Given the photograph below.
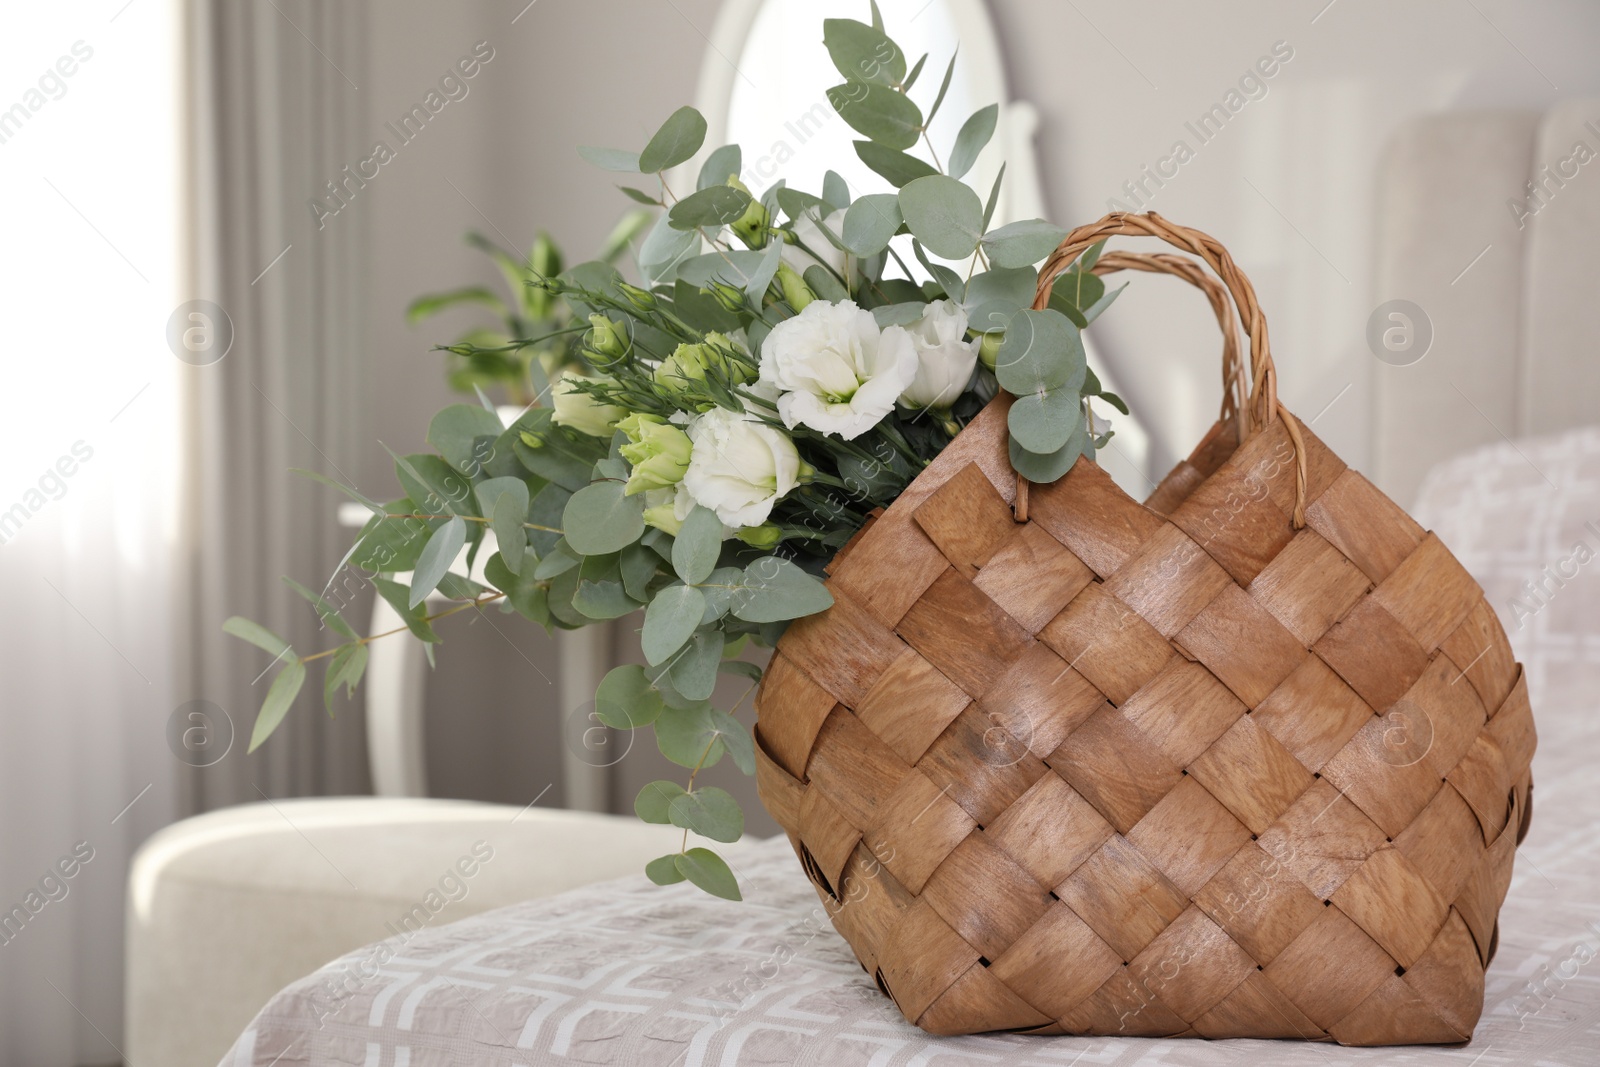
(781, 366)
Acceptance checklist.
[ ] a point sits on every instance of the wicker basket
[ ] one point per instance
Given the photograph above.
(1248, 760)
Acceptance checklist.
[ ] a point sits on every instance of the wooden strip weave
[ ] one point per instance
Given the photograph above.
(1168, 770)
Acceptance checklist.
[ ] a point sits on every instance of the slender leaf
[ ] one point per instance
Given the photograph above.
(257, 635)
(328, 613)
(975, 134)
(285, 687)
(437, 555)
(613, 159)
(892, 165)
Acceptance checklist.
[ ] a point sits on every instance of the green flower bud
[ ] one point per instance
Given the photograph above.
(661, 511)
(806, 473)
(578, 410)
(604, 339)
(989, 350)
(730, 297)
(752, 225)
(764, 536)
(795, 289)
(690, 362)
(658, 451)
(642, 299)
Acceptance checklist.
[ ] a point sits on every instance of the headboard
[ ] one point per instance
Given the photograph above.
(1489, 222)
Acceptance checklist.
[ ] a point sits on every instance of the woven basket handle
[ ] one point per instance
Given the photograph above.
(1249, 398)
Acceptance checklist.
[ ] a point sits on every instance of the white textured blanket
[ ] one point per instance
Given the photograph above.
(627, 973)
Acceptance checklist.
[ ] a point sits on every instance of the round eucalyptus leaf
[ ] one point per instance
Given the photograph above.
(626, 699)
(710, 872)
(1041, 350)
(679, 138)
(670, 620)
(1043, 422)
(1022, 244)
(715, 206)
(1044, 469)
(663, 870)
(654, 800)
(600, 518)
(871, 222)
(709, 812)
(944, 214)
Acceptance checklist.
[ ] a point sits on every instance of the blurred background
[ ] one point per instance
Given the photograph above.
(209, 286)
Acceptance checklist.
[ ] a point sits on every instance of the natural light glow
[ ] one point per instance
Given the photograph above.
(89, 138)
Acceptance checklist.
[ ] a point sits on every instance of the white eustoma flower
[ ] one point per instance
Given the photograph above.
(739, 468)
(835, 370)
(945, 357)
(821, 250)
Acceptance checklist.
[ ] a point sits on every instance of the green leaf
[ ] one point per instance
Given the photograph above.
(654, 800)
(316, 476)
(510, 511)
(797, 202)
(424, 306)
(558, 560)
(693, 671)
(1042, 422)
(994, 197)
(411, 614)
(870, 223)
(329, 614)
(1041, 350)
(1093, 311)
(432, 484)
(736, 739)
(256, 634)
(388, 545)
(835, 191)
(1044, 469)
(664, 249)
(893, 166)
(709, 812)
(679, 138)
(975, 134)
(740, 667)
(437, 555)
(1022, 244)
(775, 589)
(600, 519)
(663, 870)
(944, 214)
(719, 588)
(524, 592)
(545, 516)
(726, 162)
(1078, 288)
(690, 736)
(715, 206)
(669, 621)
(614, 159)
(771, 258)
(638, 196)
(626, 699)
(707, 870)
(1114, 400)
(878, 112)
(346, 668)
(697, 546)
(639, 565)
(944, 86)
(820, 280)
(947, 279)
(863, 53)
(285, 687)
(916, 71)
(602, 599)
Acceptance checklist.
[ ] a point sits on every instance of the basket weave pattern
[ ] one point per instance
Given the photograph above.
(1176, 768)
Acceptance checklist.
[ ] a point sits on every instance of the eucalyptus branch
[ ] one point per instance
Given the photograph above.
(476, 603)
